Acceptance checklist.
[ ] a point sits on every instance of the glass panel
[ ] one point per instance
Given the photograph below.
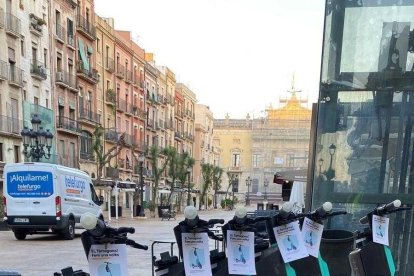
(364, 153)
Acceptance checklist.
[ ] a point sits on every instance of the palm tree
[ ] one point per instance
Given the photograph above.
(217, 173)
(187, 162)
(177, 169)
(158, 167)
(103, 158)
(207, 174)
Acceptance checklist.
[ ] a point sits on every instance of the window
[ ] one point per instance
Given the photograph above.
(36, 100)
(1, 152)
(235, 160)
(70, 30)
(98, 45)
(45, 57)
(86, 145)
(16, 154)
(22, 48)
(291, 160)
(47, 103)
(256, 160)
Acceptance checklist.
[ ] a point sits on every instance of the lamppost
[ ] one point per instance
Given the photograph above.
(141, 159)
(36, 138)
(189, 186)
(265, 184)
(320, 163)
(330, 173)
(248, 183)
(235, 186)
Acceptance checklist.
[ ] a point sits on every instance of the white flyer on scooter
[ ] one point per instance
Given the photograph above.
(196, 254)
(240, 252)
(290, 242)
(108, 259)
(380, 229)
(312, 234)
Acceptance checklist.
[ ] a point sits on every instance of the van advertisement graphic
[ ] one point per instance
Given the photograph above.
(29, 184)
(74, 186)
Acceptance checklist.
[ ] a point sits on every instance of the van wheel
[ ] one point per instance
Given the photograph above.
(69, 232)
(20, 234)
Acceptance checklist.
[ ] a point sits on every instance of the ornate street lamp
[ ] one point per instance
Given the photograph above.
(330, 173)
(248, 183)
(37, 139)
(141, 159)
(189, 186)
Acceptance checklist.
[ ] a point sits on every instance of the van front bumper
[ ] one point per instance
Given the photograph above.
(37, 222)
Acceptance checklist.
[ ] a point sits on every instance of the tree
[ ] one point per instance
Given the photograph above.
(231, 177)
(207, 171)
(157, 169)
(177, 170)
(103, 158)
(186, 162)
(217, 173)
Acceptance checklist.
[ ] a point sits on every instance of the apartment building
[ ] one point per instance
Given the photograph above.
(88, 116)
(62, 26)
(203, 142)
(188, 117)
(168, 99)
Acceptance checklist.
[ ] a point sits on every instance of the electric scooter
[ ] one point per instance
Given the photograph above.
(312, 265)
(173, 265)
(98, 232)
(370, 258)
(265, 258)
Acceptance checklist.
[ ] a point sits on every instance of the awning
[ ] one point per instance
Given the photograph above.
(82, 55)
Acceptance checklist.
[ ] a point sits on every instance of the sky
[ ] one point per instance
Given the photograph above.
(237, 56)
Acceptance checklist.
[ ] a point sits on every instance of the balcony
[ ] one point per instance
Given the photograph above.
(4, 72)
(160, 124)
(150, 123)
(138, 145)
(89, 117)
(1, 18)
(137, 81)
(36, 24)
(66, 80)
(179, 135)
(13, 25)
(68, 124)
(128, 76)
(71, 42)
(88, 74)
(111, 172)
(86, 27)
(110, 97)
(110, 65)
(121, 105)
(88, 156)
(120, 71)
(38, 70)
(128, 140)
(68, 160)
(60, 33)
(138, 112)
(10, 126)
(111, 136)
(15, 76)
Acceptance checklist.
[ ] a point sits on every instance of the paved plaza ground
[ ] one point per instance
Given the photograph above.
(44, 254)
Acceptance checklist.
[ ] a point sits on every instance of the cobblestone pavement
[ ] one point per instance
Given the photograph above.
(41, 255)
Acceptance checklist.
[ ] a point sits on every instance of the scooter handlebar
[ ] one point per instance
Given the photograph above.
(383, 210)
(123, 230)
(136, 245)
(215, 221)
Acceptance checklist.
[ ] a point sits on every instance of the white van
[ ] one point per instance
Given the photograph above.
(40, 197)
